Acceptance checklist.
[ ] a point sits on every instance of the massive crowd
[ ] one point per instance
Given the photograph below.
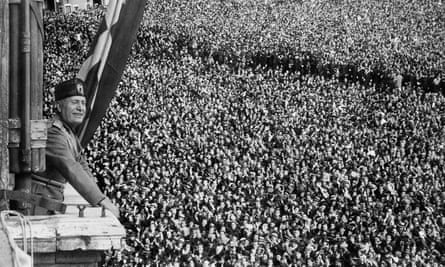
(216, 165)
(361, 40)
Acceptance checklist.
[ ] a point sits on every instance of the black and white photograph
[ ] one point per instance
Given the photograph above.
(219, 133)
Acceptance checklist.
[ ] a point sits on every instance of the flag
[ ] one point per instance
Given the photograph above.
(102, 70)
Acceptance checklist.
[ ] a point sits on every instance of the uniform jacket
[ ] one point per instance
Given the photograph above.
(66, 163)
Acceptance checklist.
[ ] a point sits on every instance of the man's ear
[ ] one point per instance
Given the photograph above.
(58, 106)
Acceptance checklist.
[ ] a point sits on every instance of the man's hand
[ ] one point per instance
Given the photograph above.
(106, 203)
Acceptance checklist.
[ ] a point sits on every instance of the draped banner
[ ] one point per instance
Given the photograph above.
(102, 70)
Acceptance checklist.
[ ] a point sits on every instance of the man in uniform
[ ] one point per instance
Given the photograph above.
(64, 159)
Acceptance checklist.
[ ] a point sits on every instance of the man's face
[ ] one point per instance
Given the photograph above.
(72, 110)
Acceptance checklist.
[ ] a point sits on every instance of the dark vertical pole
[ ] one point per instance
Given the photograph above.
(23, 178)
(25, 136)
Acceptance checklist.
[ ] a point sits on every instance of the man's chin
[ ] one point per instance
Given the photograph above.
(75, 123)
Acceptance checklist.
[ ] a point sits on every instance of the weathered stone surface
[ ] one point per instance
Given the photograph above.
(68, 232)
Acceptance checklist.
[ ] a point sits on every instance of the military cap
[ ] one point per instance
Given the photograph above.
(73, 87)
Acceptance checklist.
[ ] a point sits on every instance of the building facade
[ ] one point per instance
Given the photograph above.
(68, 6)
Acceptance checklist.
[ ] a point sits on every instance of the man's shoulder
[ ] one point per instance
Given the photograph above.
(57, 137)
(56, 129)
(55, 124)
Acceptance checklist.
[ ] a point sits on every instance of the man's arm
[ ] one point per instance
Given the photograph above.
(105, 202)
(59, 156)
(83, 162)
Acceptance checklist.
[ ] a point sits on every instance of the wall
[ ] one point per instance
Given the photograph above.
(4, 93)
(83, 4)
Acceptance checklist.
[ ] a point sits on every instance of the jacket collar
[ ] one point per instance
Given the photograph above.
(59, 123)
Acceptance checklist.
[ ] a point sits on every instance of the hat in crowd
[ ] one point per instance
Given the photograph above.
(73, 87)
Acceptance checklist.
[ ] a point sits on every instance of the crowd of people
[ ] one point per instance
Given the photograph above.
(216, 165)
(379, 40)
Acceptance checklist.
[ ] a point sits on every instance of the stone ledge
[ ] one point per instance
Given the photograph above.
(69, 232)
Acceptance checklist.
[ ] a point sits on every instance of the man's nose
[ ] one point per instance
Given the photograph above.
(80, 107)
